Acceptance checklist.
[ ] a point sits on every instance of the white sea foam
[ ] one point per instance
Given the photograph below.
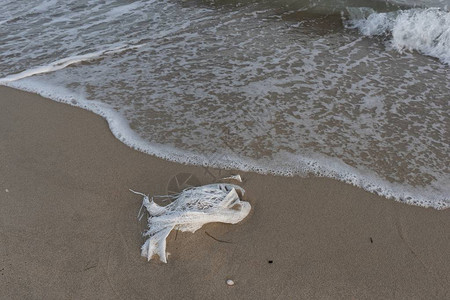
(423, 30)
(284, 164)
(65, 62)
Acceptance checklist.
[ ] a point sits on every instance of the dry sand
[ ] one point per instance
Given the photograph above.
(68, 226)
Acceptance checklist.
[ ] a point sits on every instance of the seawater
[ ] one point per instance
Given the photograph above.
(356, 90)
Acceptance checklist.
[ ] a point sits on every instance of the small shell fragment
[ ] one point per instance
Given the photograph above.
(230, 282)
(234, 177)
(6, 190)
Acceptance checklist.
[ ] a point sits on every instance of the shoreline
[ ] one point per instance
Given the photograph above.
(294, 165)
(70, 228)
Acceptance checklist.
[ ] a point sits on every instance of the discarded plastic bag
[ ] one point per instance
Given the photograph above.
(189, 211)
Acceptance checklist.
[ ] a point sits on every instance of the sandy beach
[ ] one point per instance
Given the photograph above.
(69, 227)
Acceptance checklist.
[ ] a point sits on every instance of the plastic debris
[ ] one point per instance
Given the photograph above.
(234, 177)
(189, 211)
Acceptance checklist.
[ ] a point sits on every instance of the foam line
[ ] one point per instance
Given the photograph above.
(63, 63)
(293, 164)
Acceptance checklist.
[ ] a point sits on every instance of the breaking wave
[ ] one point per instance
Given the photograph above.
(423, 30)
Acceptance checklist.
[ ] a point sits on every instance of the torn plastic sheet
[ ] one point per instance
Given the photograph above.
(189, 211)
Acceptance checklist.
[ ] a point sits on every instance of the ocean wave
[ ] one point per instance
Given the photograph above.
(255, 87)
(424, 30)
(332, 6)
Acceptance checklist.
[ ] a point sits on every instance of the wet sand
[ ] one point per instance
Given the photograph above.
(69, 228)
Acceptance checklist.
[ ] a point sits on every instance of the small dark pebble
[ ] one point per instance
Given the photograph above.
(270, 261)
(371, 241)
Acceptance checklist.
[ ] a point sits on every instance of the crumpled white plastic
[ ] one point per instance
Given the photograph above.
(189, 211)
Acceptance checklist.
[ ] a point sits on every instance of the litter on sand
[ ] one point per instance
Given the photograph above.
(189, 211)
